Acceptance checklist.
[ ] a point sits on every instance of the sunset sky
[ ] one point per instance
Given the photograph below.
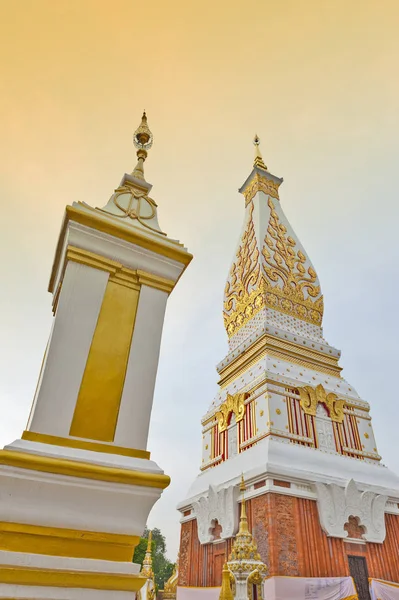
(316, 80)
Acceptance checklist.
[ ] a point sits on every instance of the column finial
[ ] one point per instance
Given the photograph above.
(142, 140)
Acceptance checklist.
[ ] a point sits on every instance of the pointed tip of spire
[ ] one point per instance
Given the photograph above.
(258, 162)
(142, 139)
(242, 484)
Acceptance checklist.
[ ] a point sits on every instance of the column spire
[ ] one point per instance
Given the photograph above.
(142, 139)
(146, 569)
(225, 592)
(243, 517)
(258, 161)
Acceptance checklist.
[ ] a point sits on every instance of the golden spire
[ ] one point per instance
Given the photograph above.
(225, 592)
(258, 162)
(142, 139)
(146, 569)
(243, 517)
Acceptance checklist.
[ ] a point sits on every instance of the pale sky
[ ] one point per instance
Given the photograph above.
(317, 80)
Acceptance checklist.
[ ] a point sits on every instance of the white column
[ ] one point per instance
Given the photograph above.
(137, 396)
(79, 304)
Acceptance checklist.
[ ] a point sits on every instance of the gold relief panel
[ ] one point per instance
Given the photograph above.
(274, 278)
(261, 183)
(310, 398)
(233, 404)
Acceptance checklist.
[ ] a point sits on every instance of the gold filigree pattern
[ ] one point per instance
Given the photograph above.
(275, 278)
(310, 398)
(232, 404)
(140, 206)
(261, 183)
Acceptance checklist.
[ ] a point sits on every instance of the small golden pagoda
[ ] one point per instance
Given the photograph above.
(148, 590)
(244, 563)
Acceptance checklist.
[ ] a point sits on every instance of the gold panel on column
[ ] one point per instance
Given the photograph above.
(97, 406)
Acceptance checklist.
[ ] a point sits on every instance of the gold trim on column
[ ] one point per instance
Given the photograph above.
(55, 541)
(85, 470)
(91, 259)
(71, 579)
(56, 440)
(170, 249)
(97, 407)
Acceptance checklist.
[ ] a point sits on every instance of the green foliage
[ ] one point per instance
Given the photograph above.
(162, 567)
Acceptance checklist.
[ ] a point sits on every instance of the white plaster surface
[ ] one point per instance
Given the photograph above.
(75, 321)
(137, 397)
(286, 460)
(50, 500)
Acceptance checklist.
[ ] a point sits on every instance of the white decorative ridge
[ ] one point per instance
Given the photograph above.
(337, 504)
(218, 506)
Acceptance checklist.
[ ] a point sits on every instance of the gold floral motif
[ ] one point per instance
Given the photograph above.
(310, 397)
(261, 183)
(233, 404)
(283, 283)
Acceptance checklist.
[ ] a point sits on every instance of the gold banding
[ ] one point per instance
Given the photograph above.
(310, 397)
(268, 345)
(54, 541)
(119, 273)
(56, 440)
(233, 404)
(73, 468)
(91, 259)
(71, 579)
(97, 407)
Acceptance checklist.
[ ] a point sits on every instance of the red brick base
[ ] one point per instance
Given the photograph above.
(291, 542)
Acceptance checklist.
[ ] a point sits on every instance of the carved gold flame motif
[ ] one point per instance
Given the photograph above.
(310, 397)
(275, 278)
(233, 404)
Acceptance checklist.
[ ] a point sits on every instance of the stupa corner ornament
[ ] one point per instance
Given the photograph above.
(348, 513)
(217, 505)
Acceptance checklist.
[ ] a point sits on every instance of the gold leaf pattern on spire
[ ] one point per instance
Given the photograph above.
(245, 274)
(275, 278)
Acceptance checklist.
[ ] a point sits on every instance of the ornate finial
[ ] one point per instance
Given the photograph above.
(142, 139)
(258, 162)
(146, 569)
(225, 592)
(243, 517)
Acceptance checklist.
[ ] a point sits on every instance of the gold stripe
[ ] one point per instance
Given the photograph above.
(71, 579)
(72, 468)
(56, 440)
(97, 406)
(133, 235)
(18, 537)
